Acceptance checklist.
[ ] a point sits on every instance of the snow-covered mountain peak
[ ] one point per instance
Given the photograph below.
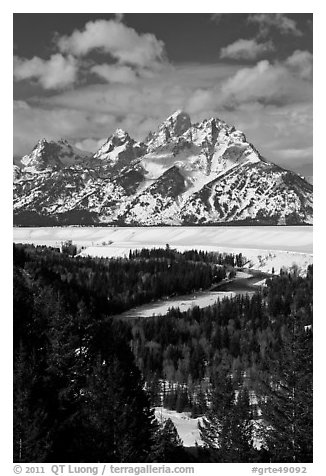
(176, 124)
(184, 173)
(118, 138)
(39, 147)
(170, 129)
(120, 149)
(121, 135)
(44, 154)
(47, 155)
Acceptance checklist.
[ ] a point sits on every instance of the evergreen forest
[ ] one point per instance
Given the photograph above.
(86, 381)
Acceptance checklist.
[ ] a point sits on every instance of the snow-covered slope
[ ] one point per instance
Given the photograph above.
(184, 173)
(255, 192)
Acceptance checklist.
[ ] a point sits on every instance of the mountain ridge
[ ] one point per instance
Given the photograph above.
(184, 173)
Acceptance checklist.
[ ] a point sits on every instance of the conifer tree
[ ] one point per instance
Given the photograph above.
(214, 429)
(287, 398)
(241, 432)
(227, 426)
(119, 409)
(168, 447)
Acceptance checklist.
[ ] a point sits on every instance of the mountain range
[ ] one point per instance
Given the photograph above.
(183, 174)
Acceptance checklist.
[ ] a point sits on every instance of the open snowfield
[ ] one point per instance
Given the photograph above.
(265, 247)
(289, 238)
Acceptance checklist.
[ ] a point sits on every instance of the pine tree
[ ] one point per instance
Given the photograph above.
(168, 447)
(227, 426)
(118, 409)
(31, 440)
(286, 403)
(214, 429)
(241, 432)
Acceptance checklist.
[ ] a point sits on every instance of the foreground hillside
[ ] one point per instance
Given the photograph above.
(184, 173)
(86, 384)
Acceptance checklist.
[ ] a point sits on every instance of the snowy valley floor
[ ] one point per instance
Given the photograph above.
(265, 247)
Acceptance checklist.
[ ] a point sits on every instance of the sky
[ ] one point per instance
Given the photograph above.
(81, 76)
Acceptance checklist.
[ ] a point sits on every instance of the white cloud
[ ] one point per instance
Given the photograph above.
(277, 21)
(267, 83)
(120, 41)
(144, 52)
(95, 111)
(115, 73)
(300, 62)
(58, 72)
(246, 49)
(156, 95)
(201, 100)
(90, 145)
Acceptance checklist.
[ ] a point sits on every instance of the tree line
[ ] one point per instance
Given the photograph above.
(118, 284)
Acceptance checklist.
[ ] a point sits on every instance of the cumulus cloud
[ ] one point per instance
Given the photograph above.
(300, 62)
(113, 37)
(135, 54)
(201, 100)
(275, 112)
(157, 95)
(97, 110)
(246, 49)
(267, 22)
(115, 73)
(56, 73)
(279, 83)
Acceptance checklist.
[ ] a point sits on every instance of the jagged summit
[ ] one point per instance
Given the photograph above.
(119, 149)
(42, 142)
(118, 138)
(121, 134)
(170, 129)
(50, 154)
(184, 173)
(177, 124)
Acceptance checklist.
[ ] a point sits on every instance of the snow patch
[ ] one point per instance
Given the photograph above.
(186, 426)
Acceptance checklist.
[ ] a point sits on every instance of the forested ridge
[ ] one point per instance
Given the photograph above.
(85, 383)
